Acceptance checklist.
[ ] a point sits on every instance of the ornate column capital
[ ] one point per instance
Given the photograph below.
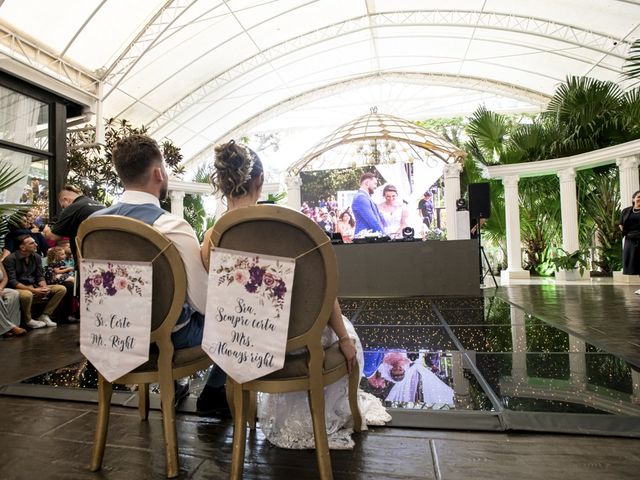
(293, 181)
(510, 181)
(567, 175)
(628, 163)
(452, 170)
(176, 195)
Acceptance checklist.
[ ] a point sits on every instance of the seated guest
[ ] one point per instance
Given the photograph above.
(346, 226)
(22, 224)
(138, 161)
(24, 269)
(9, 308)
(284, 418)
(325, 222)
(57, 272)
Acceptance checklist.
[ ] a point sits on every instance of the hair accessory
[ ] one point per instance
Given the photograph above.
(252, 156)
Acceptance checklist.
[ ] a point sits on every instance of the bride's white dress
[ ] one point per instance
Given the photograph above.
(392, 221)
(285, 418)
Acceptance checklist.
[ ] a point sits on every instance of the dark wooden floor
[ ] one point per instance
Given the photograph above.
(52, 440)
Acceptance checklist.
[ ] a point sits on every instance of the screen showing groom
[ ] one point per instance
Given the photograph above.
(364, 210)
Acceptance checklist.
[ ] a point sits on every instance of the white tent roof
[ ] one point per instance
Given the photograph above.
(198, 71)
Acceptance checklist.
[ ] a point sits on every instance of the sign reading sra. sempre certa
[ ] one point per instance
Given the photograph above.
(115, 315)
(248, 307)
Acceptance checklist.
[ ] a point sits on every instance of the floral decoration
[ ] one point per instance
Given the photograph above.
(101, 281)
(263, 279)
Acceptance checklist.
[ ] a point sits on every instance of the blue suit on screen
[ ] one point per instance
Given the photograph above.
(366, 213)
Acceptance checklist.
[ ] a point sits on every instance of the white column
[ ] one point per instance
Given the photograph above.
(629, 180)
(294, 197)
(569, 213)
(569, 209)
(629, 184)
(512, 223)
(99, 117)
(177, 202)
(451, 195)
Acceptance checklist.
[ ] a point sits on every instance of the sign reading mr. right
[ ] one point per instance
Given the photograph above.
(247, 318)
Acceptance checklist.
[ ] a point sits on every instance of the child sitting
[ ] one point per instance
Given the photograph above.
(56, 271)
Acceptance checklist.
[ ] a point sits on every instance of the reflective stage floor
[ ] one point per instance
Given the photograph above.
(472, 363)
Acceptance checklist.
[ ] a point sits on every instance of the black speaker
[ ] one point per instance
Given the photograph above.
(479, 200)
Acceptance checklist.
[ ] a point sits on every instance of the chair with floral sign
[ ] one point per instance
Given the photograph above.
(103, 238)
(278, 231)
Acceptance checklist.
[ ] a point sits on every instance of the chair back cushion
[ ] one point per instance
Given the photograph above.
(279, 231)
(118, 238)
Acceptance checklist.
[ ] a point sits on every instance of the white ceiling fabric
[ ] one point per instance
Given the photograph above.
(198, 71)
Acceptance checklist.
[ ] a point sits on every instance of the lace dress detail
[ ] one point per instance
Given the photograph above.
(285, 418)
(392, 221)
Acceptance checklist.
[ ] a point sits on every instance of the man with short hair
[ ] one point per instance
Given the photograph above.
(366, 212)
(76, 208)
(140, 166)
(25, 273)
(425, 208)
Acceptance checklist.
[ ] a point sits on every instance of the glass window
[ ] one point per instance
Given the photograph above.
(33, 187)
(23, 120)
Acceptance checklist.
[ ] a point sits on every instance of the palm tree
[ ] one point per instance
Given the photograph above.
(9, 176)
(631, 68)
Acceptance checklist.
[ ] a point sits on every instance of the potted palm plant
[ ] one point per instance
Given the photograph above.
(571, 266)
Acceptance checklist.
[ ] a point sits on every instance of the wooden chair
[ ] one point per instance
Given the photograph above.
(273, 230)
(120, 238)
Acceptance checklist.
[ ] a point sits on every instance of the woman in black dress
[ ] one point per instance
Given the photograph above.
(630, 226)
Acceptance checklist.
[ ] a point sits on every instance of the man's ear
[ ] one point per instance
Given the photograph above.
(158, 174)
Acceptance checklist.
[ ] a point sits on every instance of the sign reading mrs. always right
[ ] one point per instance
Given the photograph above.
(248, 307)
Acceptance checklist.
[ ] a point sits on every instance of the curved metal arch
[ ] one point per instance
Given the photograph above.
(388, 127)
(413, 78)
(208, 101)
(166, 15)
(569, 34)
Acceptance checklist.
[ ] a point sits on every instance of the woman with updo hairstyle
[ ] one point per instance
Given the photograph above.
(284, 418)
(238, 174)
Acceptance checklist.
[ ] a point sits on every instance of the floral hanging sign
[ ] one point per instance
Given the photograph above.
(115, 315)
(247, 318)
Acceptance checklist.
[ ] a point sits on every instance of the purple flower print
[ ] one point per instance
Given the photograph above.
(107, 282)
(279, 290)
(251, 287)
(256, 274)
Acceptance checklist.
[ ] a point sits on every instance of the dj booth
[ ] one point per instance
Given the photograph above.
(398, 269)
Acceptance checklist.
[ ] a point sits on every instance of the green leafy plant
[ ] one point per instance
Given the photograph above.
(89, 164)
(276, 197)
(9, 176)
(569, 261)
